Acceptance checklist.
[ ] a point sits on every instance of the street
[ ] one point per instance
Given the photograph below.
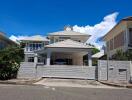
(21, 92)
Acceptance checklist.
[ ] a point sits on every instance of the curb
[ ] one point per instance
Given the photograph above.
(116, 85)
(21, 83)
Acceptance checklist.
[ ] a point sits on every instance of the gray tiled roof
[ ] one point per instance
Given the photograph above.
(68, 44)
(35, 38)
(68, 33)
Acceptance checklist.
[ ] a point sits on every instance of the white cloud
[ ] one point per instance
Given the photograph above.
(98, 30)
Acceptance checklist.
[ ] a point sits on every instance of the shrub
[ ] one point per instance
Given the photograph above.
(10, 59)
(120, 55)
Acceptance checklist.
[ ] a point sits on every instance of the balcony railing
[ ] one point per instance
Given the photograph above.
(31, 49)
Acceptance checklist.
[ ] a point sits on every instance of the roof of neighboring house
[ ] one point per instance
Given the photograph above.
(9, 41)
(68, 44)
(127, 18)
(124, 19)
(34, 38)
(98, 55)
(67, 33)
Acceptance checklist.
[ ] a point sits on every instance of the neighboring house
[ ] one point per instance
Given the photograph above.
(5, 42)
(63, 57)
(30, 44)
(119, 37)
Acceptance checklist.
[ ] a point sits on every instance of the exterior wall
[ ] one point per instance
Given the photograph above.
(29, 70)
(77, 59)
(115, 71)
(60, 38)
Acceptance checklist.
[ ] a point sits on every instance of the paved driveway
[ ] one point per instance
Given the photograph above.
(17, 92)
(71, 83)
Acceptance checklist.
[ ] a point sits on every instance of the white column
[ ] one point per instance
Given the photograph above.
(90, 58)
(48, 58)
(36, 58)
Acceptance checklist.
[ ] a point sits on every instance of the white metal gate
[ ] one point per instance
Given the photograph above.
(64, 71)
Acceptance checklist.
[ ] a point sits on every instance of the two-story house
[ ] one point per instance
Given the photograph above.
(119, 37)
(59, 48)
(63, 57)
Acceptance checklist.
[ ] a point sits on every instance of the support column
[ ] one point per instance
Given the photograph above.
(90, 58)
(48, 58)
(36, 58)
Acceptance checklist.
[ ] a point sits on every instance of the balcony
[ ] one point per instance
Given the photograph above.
(31, 49)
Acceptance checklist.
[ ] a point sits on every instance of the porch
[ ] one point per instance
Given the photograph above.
(64, 56)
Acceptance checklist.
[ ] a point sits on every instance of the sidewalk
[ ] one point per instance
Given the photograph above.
(71, 83)
(116, 84)
(20, 81)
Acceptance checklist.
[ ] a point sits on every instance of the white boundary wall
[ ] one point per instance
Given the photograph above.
(29, 70)
(114, 71)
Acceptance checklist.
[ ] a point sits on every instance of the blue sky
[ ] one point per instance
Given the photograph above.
(32, 17)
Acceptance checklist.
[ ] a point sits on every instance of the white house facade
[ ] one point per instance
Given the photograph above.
(62, 50)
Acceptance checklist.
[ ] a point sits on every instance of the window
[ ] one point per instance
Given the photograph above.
(35, 46)
(119, 40)
(107, 45)
(40, 59)
(130, 37)
(2, 44)
(111, 44)
(30, 59)
(63, 38)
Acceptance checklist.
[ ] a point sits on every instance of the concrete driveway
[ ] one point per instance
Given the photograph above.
(71, 83)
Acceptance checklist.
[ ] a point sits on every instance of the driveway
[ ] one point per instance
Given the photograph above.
(71, 83)
(21, 92)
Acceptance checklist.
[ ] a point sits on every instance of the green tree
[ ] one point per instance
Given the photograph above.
(95, 50)
(10, 59)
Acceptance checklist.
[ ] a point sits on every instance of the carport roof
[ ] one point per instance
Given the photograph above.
(68, 44)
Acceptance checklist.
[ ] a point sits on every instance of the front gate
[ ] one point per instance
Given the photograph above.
(67, 71)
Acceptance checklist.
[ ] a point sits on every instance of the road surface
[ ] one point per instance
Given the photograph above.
(21, 92)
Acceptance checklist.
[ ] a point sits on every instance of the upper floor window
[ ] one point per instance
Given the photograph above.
(130, 37)
(63, 38)
(34, 46)
(108, 46)
(111, 44)
(78, 40)
(2, 44)
(119, 40)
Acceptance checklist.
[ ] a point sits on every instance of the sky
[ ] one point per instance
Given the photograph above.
(20, 18)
